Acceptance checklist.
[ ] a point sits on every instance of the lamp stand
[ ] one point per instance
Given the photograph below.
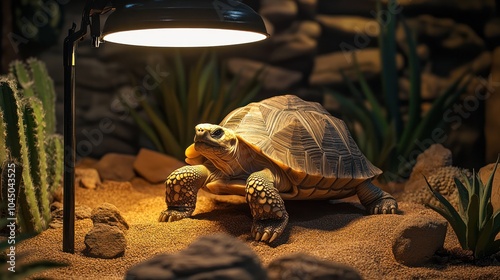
(69, 48)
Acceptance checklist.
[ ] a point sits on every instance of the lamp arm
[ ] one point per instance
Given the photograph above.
(93, 8)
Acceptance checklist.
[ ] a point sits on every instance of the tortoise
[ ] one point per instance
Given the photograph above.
(280, 148)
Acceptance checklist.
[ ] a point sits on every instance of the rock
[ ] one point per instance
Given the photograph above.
(435, 163)
(480, 65)
(417, 238)
(87, 178)
(484, 174)
(350, 25)
(492, 114)
(300, 39)
(108, 214)
(154, 166)
(86, 162)
(346, 33)
(100, 77)
(272, 78)
(81, 212)
(432, 86)
(432, 158)
(441, 180)
(217, 256)
(116, 167)
(278, 10)
(327, 67)
(302, 266)
(444, 34)
(105, 242)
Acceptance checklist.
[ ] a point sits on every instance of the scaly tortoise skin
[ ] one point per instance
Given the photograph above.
(280, 148)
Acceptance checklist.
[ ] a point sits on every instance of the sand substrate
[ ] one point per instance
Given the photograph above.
(337, 232)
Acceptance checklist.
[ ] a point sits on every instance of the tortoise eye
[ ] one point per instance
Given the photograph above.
(217, 133)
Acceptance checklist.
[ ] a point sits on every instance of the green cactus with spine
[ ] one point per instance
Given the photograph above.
(27, 126)
(37, 83)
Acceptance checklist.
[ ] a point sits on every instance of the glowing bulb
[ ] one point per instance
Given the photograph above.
(184, 37)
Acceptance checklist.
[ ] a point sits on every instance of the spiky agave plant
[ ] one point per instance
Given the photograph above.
(475, 224)
(384, 136)
(191, 94)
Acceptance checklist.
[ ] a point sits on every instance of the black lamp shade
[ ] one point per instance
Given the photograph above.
(182, 23)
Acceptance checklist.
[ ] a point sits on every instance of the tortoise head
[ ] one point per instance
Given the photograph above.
(214, 141)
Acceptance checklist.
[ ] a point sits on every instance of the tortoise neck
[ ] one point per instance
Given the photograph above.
(237, 161)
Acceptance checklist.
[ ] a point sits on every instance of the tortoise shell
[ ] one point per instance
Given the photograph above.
(303, 139)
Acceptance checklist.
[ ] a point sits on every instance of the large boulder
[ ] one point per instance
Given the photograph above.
(217, 256)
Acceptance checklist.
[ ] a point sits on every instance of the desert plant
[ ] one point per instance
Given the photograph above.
(378, 127)
(474, 224)
(35, 81)
(188, 96)
(27, 141)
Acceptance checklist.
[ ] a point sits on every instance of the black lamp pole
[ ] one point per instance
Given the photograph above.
(92, 9)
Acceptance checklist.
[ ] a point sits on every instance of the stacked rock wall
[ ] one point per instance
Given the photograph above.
(310, 43)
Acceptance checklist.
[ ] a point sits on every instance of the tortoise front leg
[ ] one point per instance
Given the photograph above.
(268, 209)
(182, 187)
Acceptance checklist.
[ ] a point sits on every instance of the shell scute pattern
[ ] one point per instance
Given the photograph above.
(303, 137)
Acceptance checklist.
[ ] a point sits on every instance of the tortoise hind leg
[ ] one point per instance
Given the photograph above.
(376, 200)
(268, 209)
(181, 188)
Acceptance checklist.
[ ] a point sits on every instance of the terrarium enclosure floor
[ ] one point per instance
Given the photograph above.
(337, 232)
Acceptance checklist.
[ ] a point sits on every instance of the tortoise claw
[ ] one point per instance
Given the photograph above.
(275, 235)
(175, 214)
(257, 236)
(384, 206)
(269, 229)
(265, 236)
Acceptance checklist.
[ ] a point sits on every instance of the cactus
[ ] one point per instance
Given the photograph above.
(9, 188)
(28, 140)
(54, 146)
(35, 142)
(36, 82)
